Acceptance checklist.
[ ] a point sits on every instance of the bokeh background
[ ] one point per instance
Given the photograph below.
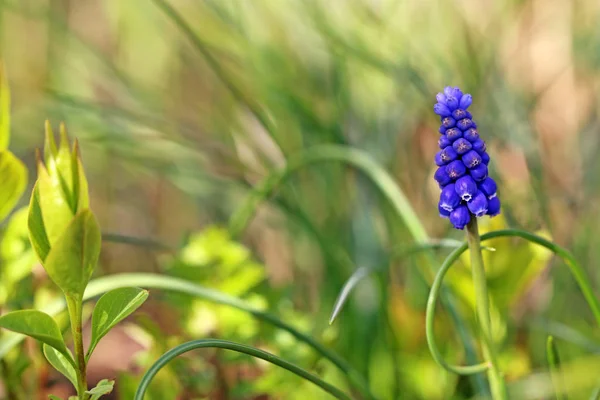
(181, 108)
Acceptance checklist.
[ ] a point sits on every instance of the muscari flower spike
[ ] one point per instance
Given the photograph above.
(462, 174)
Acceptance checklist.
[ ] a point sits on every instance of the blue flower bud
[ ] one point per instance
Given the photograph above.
(448, 122)
(442, 129)
(493, 206)
(485, 157)
(461, 146)
(441, 177)
(441, 110)
(460, 217)
(488, 187)
(479, 173)
(443, 213)
(452, 102)
(465, 187)
(441, 98)
(453, 133)
(478, 205)
(456, 92)
(459, 113)
(471, 135)
(448, 154)
(438, 159)
(456, 169)
(443, 142)
(464, 124)
(448, 90)
(449, 200)
(479, 146)
(465, 101)
(471, 159)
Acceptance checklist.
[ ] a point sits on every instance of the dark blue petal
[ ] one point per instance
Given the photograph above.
(493, 206)
(471, 134)
(479, 146)
(441, 176)
(460, 217)
(438, 159)
(459, 114)
(465, 101)
(448, 154)
(488, 187)
(471, 159)
(448, 122)
(453, 133)
(465, 187)
(456, 92)
(478, 205)
(479, 173)
(443, 142)
(461, 146)
(456, 169)
(464, 124)
(443, 213)
(452, 102)
(449, 200)
(441, 110)
(442, 130)
(485, 157)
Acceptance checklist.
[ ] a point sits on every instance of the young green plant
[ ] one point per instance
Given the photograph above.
(66, 238)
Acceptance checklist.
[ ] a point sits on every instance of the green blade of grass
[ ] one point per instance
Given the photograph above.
(237, 347)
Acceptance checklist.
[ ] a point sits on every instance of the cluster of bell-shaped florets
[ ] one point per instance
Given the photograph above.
(462, 162)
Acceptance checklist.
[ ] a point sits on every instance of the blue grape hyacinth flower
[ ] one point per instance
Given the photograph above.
(462, 174)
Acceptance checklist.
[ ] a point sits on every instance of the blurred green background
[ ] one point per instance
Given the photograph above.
(181, 108)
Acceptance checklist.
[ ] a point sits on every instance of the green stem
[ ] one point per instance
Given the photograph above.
(497, 385)
(74, 305)
(240, 348)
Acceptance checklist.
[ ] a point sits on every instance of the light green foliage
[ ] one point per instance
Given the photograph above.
(73, 257)
(212, 258)
(61, 191)
(4, 111)
(111, 309)
(38, 325)
(60, 363)
(16, 256)
(13, 182)
(103, 387)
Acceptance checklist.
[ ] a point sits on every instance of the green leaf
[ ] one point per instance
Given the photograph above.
(53, 397)
(112, 308)
(73, 257)
(103, 387)
(61, 364)
(4, 111)
(37, 230)
(13, 180)
(36, 324)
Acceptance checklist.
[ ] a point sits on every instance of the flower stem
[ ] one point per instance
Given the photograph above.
(495, 377)
(74, 304)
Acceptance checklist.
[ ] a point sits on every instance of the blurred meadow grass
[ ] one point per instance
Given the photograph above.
(181, 107)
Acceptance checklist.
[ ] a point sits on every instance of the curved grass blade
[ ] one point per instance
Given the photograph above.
(240, 348)
(555, 372)
(350, 284)
(363, 272)
(101, 285)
